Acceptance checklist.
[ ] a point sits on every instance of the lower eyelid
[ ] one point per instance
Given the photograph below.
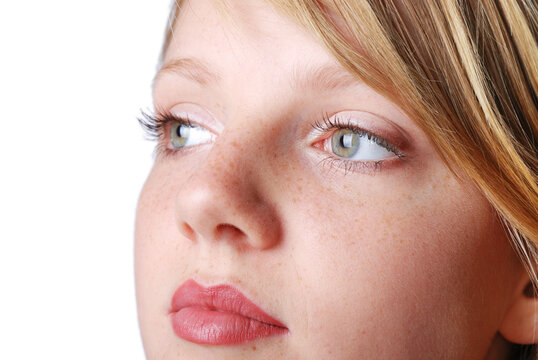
(332, 163)
(166, 151)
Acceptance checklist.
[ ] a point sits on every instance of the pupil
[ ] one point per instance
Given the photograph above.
(346, 140)
(182, 131)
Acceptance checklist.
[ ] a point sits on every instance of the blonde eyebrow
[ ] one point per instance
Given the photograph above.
(189, 68)
(328, 77)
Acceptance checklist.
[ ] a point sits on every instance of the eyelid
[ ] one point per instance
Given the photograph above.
(369, 123)
(197, 116)
(325, 144)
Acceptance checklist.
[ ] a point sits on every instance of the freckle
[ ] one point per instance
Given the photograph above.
(254, 348)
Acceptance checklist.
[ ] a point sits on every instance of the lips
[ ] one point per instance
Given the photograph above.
(219, 315)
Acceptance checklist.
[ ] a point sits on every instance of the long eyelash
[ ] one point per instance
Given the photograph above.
(327, 124)
(155, 127)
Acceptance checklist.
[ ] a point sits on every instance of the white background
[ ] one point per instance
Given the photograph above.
(73, 77)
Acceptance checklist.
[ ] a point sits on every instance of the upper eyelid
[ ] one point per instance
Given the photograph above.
(169, 118)
(328, 124)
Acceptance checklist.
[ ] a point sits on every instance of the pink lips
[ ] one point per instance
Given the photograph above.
(219, 315)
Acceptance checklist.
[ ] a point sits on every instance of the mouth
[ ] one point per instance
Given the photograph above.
(219, 315)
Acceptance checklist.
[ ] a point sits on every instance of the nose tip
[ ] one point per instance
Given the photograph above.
(209, 209)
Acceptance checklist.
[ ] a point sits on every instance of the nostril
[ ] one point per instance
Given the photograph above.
(228, 231)
(187, 231)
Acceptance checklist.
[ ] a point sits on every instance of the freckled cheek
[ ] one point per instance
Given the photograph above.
(384, 258)
(155, 221)
(159, 255)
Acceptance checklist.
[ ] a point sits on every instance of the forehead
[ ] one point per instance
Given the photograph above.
(250, 36)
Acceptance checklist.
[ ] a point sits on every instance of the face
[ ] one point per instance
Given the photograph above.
(298, 214)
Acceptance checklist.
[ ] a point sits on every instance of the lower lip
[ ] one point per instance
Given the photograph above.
(204, 326)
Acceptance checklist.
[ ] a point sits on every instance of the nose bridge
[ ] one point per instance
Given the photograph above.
(241, 153)
(230, 161)
(223, 199)
(232, 165)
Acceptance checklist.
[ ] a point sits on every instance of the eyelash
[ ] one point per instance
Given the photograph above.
(329, 125)
(155, 127)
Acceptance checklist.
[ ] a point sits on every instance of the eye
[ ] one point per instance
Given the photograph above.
(183, 134)
(348, 145)
(355, 145)
(174, 131)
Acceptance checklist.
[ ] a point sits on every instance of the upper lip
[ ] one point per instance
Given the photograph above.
(223, 298)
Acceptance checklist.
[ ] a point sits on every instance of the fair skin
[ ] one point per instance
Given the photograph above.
(398, 261)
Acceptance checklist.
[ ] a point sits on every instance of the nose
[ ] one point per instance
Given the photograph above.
(223, 200)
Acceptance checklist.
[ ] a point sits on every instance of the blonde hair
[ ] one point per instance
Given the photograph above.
(465, 71)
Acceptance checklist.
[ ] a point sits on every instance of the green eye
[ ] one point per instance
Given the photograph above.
(179, 134)
(183, 134)
(345, 143)
(355, 145)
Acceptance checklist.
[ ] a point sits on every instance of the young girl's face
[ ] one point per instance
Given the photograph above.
(314, 197)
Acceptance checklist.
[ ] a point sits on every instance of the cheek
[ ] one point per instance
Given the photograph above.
(158, 259)
(154, 231)
(359, 265)
(412, 265)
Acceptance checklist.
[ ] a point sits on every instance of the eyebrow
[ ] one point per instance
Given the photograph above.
(190, 68)
(326, 77)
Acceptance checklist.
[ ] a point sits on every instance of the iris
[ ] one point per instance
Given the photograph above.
(345, 142)
(179, 134)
